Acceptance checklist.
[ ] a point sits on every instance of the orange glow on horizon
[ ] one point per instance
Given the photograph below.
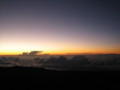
(57, 49)
(65, 52)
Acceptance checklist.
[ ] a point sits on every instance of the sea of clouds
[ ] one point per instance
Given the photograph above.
(77, 62)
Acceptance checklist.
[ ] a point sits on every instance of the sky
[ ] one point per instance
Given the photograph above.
(59, 26)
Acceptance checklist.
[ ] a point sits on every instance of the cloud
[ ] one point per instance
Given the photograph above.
(9, 61)
(80, 62)
(77, 62)
(34, 52)
(31, 53)
(64, 63)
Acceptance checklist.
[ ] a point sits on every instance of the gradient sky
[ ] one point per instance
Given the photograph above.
(60, 26)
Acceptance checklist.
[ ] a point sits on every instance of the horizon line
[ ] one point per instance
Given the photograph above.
(58, 54)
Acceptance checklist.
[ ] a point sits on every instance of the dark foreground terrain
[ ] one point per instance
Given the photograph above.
(40, 77)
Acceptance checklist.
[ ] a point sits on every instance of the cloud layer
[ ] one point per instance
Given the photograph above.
(78, 62)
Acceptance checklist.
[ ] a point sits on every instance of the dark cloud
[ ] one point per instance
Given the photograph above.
(78, 62)
(9, 61)
(31, 53)
(34, 52)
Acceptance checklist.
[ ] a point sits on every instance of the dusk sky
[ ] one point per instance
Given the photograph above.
(59, 26)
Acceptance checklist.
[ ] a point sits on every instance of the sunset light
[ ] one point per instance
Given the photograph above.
(57, 28)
